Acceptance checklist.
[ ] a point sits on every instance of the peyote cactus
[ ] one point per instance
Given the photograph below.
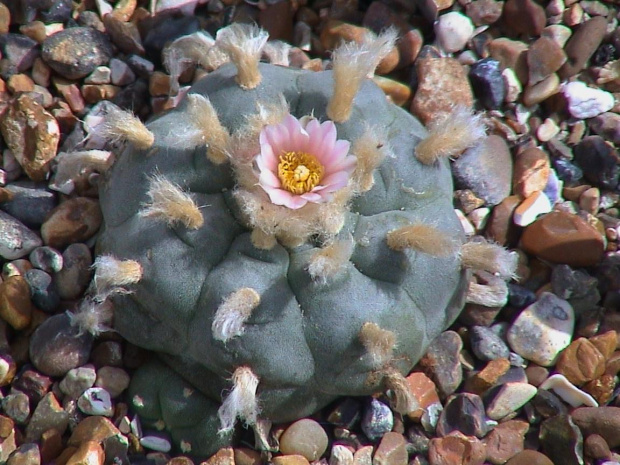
(281, 238)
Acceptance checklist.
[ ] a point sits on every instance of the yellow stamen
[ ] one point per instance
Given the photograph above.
(299, 172)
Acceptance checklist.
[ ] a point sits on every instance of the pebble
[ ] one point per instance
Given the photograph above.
(392, 450)
(481, 381)
(511, 54)
(581, 362)
(488, 83)
(604, 421)
(507, 398)
(486, 344)
(531, 172)
(75, 52)
(74, 220)
(456, 449)
(599, 161)
(586, 102)
(567, 171)
(500, 227)
(16, 239)
(339, 455)
(288, 460)
(607, 125)
(547, 131)
(595, 447)
(95, 428)
(32, 134)
(486, 170)
(16, 406)
(512, 85)
(463, 412)
(306, 438)
(542, 90)
(113, 379)
(74, 277)
(505, 441)
(42, 290)
(561, 440)
(46, 259)
(605, 343)
(101, 75)
(543, 329)
(346, 413)
(547, 404)
(544, 57)
(88, 453)
(15, 305)
(442, 84)
(453, 30)
(78, 380)
(582, 45)
(19, 51)
(601, 389)
(47, 415)
(558, 32)
(424, 391)
(161, 443)
(442, 364)
(531, 208)
(56, 347)
(25, 454)
(484, 12)
(562, 237)
(524, 17)
(120, 73)
(568, 392)
(553, 189)
(529, 457)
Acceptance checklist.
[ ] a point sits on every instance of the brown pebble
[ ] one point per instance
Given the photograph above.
(94, 93)
(456, 449)
(15, 304)
(541, 90)
(483, 12)
(531, 172)
(511, 54)
(74, 220)
(601, 389)
(524, 17)
(604, 421)
(290, 460)
(596, 448)
(124, 35)
(505, 441)
(35, 30)
(536, 374)
(442, 84)
(589, 200)
(580, 362)
(396, 91)
(277, 20)
(224, 456)
(5, 19)
(159, 84)
(582, 44)
(392, 450)
(71, 93)
(95, 428)
(606, 343)
(182, 461)
(562, 237)
(529, 457)
(544, 57)
(51, 445)
(488, 376)
(20, 83)
(424, 391)
(32, 134)
(25, 454)
(304, 437)
(124, 9)
(245, 456)
(48, 414)
(88, 453)
(500, 227)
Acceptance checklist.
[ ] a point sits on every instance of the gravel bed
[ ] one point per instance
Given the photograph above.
(532, 382)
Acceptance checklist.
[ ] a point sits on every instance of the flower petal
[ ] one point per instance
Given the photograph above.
(337, 155)
(277, 136)
(335, 181)
(298, 137)
(269, 179)
(266, 159)
(348, 165)
(285, 198)
(312, 197)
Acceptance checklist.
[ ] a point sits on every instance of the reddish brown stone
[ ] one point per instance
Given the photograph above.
(531, 172)
(5, 19)
(488, 376)
(524, 17)
(604, 421)
(89, 453)
(582, 44)
(95, 428)
(396, 91)
(581, 362)
(15, 305)
(442, 84)
(606, 343)
(20, 83)
(424, 391)
(545, 56)
(224, 456)
(456, 449)
(392, 450)
(529, 457)
(505, 441)
(511, 54)
(601, 388)
(277, 20)
(500, 227)
(562, 237)
(74, 220)
(595, 447)
(245, 456)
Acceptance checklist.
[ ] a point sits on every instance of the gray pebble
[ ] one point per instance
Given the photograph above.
(156, 441)
(442, 362)
(75, 52)
(75, 275)
(47, 415)
(377, 420)
(77, 380)
(16, 240)
(486, 344)
(16, 406)
(30, 203)
(507, 398)
(19, 51)
(47, 259)
(42, 290)
(463, 412)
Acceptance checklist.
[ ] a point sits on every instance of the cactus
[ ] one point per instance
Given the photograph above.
(272, 290)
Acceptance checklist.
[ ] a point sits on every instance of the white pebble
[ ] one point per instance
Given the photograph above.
(78, 380)
(568, 392)
(586, 102)
(528, 210)
(512, 84)
(96, 401)
(509, 398)
(453, 30)
(157, 443)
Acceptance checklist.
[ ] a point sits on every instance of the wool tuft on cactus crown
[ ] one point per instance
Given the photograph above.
(283, 237)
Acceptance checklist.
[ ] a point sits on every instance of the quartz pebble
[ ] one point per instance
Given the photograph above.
(306, 438)
(392, 450)
(340, 455)
(586, 102)
(507, 398)
(543, 329)
(453, 30)
(568, 391)
(531, 208)
(78, 380)
(96, 401)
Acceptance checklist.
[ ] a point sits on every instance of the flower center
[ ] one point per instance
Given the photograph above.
(299, 172)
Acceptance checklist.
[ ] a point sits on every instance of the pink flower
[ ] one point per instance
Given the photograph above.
(302, 161)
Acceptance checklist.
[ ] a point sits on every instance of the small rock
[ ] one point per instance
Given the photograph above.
(441, 362)
(456, 449)
(114, 380)
(392, 450)
(346, 413)
(75, 52)
(48, 414)
(94, 428)
(19, 51)
(603, 421)
(607, 125)
(306, 438)
(488, 83)
(529, 457)
(486, 344)
(486, 170)
(568, 392)
(161, 443)
(29, 202)
(42, 290)
(15, 304)
(96, 401)
(601, 389)
(531, 172)
(101, 75)
(500, 227)
(558, 32)
(599, 161)
(483, 12)
(542, 90)
(377, 420)
(340, 455)
(442, 84)
(88, 453)
(561, 440)
(605, 343)
(507, 398)
(511, 54)
(424, 391)
(524, 17)
(289, 460)
(531, 208)
(547, 404)
(567, 171)
(488, 376)
(56, 346)
(74, 277)
(46, 259)
(562, 237)
(120, 73)
(17, 407)
(32, 134)
(582, 45)
(26, 454)
(74, 220)
(544, 57)
(547, 131)
(581, 362)
(463, 412)
(453, 30)
(595, 447)
(542, 330)
(78, 380)
(553, 189)
(505, 441)
(586, 102)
